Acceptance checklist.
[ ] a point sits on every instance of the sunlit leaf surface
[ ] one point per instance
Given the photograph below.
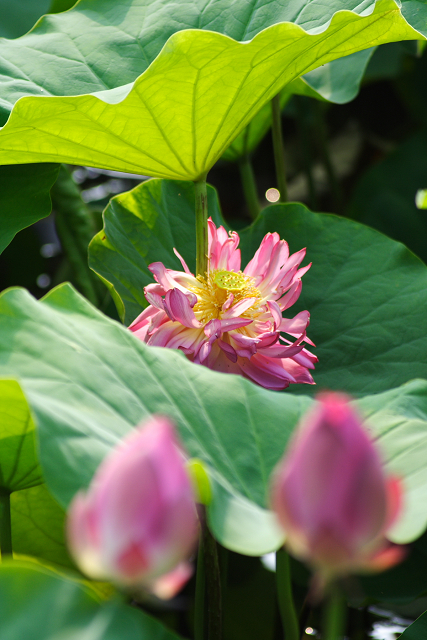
(102, 44)
(19, 468)
(95, 381)
(39, 604)
(143, 226)
(18, 16)
(180, 116)
(366, 293)
(24, 197)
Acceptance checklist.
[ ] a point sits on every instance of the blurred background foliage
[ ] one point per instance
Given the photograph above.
(364, 160)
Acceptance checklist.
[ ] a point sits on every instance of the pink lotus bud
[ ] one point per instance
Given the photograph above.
(137, 523)
(331, 494)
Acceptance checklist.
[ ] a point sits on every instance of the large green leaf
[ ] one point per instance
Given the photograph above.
(24, 197)
(89, 381)
(19, 468)
(37, 519)
(385, 196)
(421, 199)
(102, 44)
(38, 527)
(57, 6)
(398, 420)
(365, 292)
(248, 139)
(18, 16)
(41, 605)
(401, 584)
(338, 81)
(143, 226)
(417, 630)
(180, 116)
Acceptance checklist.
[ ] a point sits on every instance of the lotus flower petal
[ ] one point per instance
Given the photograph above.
(137, 522)
(231, 320)
(331, 494)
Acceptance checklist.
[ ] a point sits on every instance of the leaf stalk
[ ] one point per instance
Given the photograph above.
(249, 186)
(334, 614)
(285, 598)
(208, 601)
(278, 149)
(5, 526)
(201, 202)
(74, 226)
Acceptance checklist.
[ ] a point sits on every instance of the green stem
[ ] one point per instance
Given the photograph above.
(213, 582)
(304, 130)
(323, 146)
(223, 557)
(279, 152)
(75, 230)
(334, 614)
(249, 186)
(201, 226)
(5, 526)
(285, 597)
(199, 614)
(208, 614)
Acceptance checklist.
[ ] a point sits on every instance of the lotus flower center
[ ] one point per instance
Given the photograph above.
(221, 289)
(230, 281)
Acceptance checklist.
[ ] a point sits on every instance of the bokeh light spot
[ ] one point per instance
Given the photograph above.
(272, 195)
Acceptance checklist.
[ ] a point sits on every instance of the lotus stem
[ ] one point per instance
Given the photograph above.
(208, 604)
(249, 186)
(306, 147)
(199, 615)
(279, 152)
(75, 230)
(334, 614)
(201, 226)
(5, 526)
(285, 597)
(323, 146)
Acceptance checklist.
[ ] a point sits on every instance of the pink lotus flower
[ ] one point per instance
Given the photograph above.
(231, 320)
(137, 523)
(331, 494)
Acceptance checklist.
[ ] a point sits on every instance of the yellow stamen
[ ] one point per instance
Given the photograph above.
(230, 281)
(214, 290)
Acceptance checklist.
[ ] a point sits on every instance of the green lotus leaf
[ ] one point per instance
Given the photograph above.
(365, 292)
(102, 44)
(19, 17)
(417, 630)
(365, 295)
(29, 594)
(248, 139)
(88, 381)
(421, 199)
(38, 526)
(385, 196)
(337, 81)
(397, 420)
(24, 197)
(401, 584)
(19, 468)
(143, 226)
(37, 519)
(180, 116)
(58, 6)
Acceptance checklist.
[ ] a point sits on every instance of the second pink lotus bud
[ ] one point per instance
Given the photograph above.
(332, 496)
(137, 523)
